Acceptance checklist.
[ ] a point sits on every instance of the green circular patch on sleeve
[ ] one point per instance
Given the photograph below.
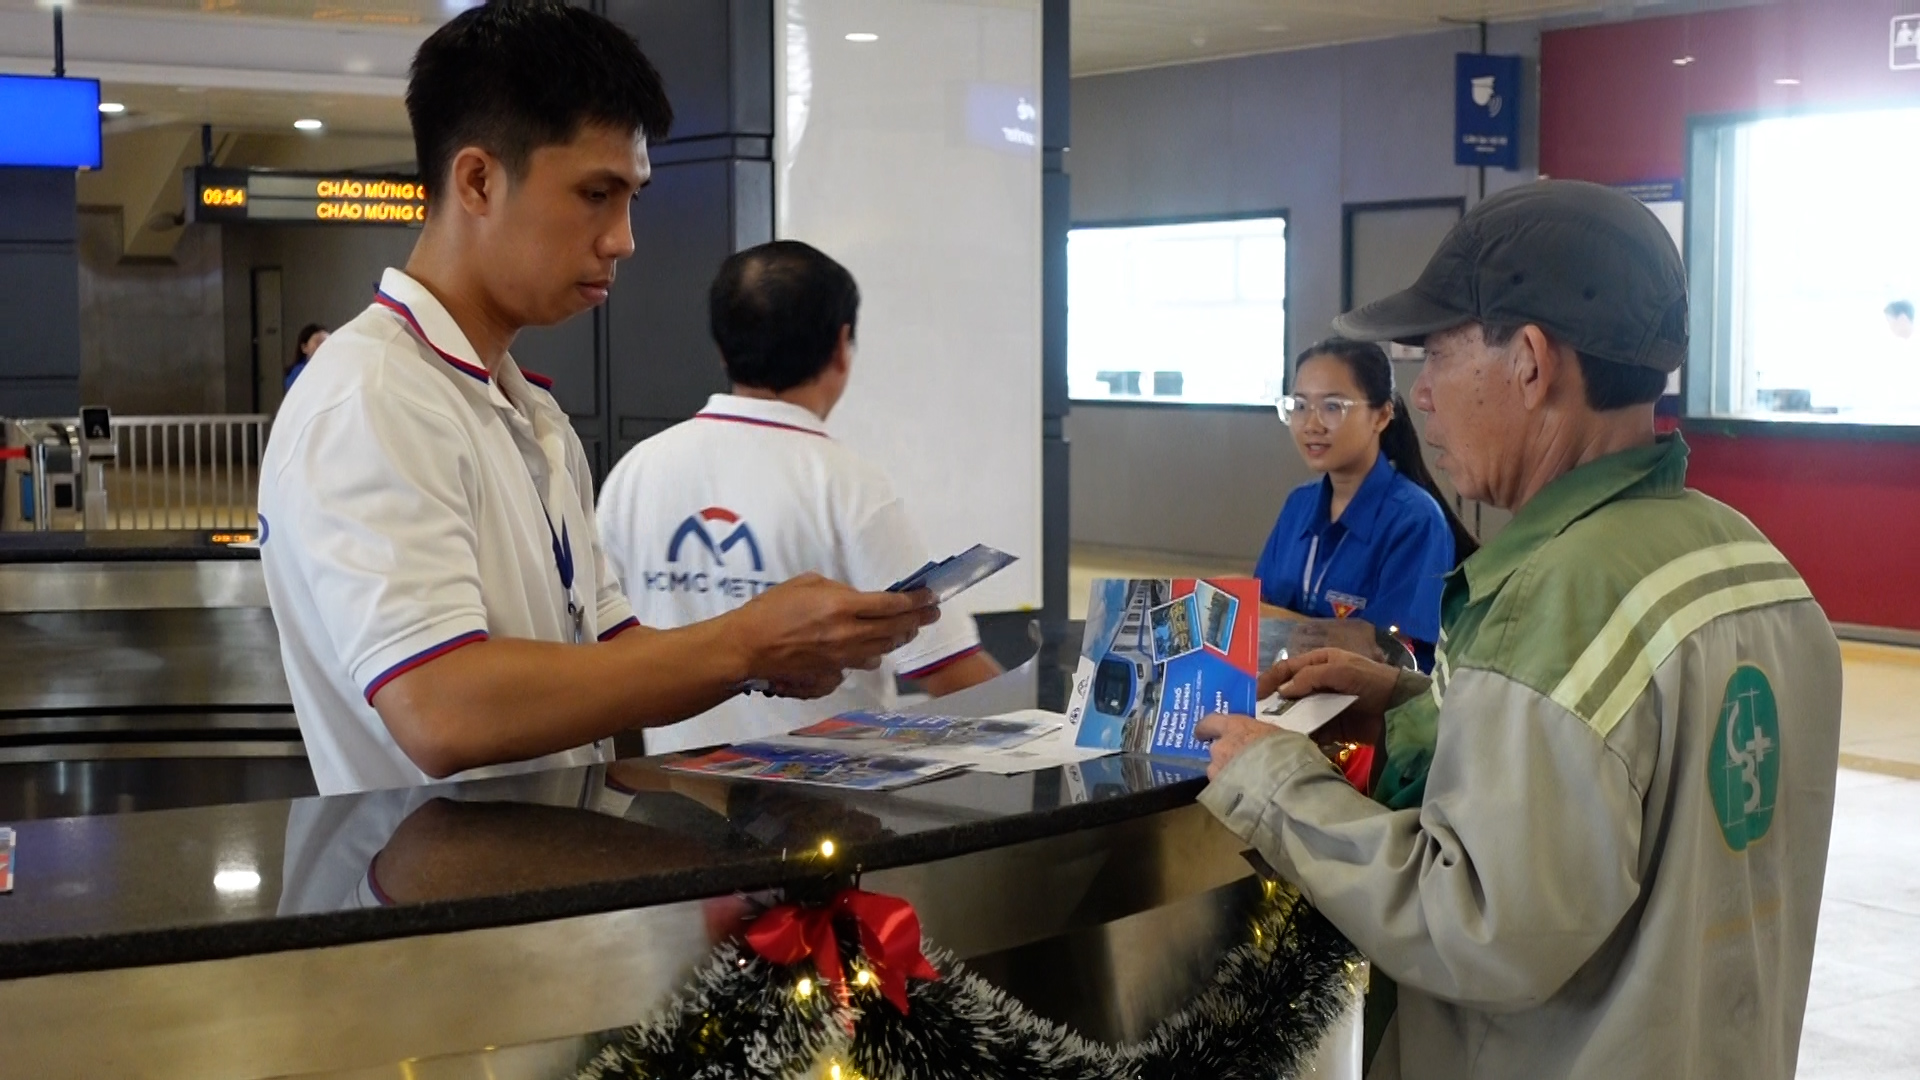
(1743, 764)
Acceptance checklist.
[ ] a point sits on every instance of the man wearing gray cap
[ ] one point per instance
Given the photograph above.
(1596, 844)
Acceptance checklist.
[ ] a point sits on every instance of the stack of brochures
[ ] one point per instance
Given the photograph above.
(873, 751)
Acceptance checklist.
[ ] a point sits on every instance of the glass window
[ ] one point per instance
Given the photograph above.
(1805, 251)
(1192, 313)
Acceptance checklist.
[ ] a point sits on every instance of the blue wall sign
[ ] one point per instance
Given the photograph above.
(1486, 111)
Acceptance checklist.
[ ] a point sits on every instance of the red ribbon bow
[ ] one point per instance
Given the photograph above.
(889, 935)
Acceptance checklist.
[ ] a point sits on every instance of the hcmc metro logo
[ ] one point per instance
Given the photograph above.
(703, 526)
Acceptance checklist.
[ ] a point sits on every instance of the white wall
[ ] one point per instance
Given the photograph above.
(1307, 132)
(877, 165)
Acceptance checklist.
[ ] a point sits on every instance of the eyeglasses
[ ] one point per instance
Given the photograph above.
(1332, 411)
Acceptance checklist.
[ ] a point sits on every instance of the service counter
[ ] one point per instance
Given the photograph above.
(501, 928)
(491, 929)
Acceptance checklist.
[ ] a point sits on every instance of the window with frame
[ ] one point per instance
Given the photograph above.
(1190, 312)
(1804, 246)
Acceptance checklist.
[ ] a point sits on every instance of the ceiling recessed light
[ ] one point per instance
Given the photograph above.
(862, 36)
(112, 108)
(1682, 61)
(308, 125)
(1786, 82)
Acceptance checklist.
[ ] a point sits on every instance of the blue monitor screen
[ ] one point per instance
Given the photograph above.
(52, 123)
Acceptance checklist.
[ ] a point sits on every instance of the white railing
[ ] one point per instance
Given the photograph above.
(185, 472)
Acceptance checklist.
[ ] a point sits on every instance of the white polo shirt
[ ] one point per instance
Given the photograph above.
(708, 514)
(409, 505)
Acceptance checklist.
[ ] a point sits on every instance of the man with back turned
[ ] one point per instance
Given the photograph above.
(1597, 843)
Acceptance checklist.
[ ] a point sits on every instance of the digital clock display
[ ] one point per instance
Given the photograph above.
(240, 196)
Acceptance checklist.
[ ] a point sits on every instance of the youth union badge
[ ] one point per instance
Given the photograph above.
(1345, 606)
(1743, 765)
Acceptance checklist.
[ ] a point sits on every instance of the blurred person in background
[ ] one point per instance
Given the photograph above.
(312, 336)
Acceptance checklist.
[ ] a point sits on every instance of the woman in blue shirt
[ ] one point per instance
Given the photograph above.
(312, 336)
(1373, 537)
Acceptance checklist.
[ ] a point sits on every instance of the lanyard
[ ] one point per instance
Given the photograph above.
(562, 540)
(563, 564)
(1309, 587)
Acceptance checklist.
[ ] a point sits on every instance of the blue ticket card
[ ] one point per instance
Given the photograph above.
(951, 577)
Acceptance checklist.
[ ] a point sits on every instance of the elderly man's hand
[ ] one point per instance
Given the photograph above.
(1334, 671)
(1229, 735)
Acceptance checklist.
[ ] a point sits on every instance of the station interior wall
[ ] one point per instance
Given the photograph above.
(1308, 132)
(174, 335)
(328, 275)
(1843, 506)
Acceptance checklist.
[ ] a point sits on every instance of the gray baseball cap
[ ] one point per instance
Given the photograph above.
(1588, 264)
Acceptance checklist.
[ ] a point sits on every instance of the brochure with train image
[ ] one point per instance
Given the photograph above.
(902, 733)
(878, 751)
(1159, 656)
(798, 764)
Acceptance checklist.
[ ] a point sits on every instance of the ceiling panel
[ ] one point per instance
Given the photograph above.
(360, 12)
(254, 111)
(359, 46)
(1120, 35)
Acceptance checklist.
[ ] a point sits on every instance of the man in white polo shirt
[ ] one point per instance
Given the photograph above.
(427, 525)
(707, 515)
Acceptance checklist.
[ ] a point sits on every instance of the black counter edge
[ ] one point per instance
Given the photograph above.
(152, 948)
(106, 554)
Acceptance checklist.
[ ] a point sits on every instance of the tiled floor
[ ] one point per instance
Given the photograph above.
(1863, 1014)
(1881, 713)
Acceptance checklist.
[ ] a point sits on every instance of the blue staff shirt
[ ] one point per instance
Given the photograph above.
(1384, 561)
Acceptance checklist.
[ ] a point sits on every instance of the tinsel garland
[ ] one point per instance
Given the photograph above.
(1263, 1014)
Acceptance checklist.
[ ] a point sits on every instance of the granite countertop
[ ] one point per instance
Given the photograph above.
(178, 886)
(121, 546)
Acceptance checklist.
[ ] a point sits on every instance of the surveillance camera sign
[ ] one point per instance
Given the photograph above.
(1487, 111)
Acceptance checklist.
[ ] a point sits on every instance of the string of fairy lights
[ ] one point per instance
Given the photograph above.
(1264, 1011)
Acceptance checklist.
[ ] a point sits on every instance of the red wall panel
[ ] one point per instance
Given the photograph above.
(1614, 108)
(1846, 513)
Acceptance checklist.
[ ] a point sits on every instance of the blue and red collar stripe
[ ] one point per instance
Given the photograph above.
(775, 424)
(380, 297)
(425, 656)
(619, 628)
